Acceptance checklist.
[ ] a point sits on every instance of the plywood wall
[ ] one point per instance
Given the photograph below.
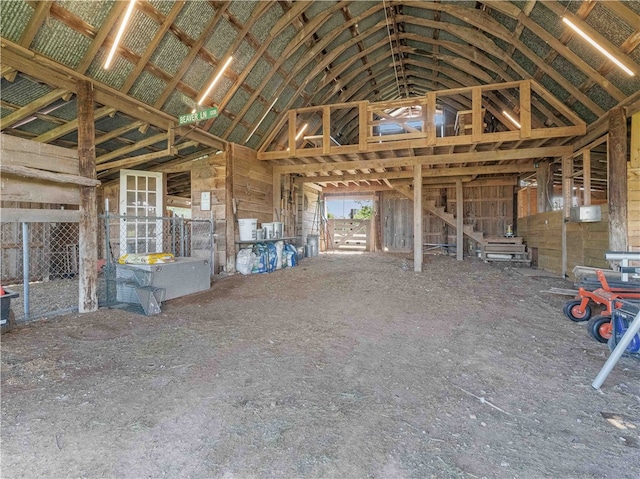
(587, 242)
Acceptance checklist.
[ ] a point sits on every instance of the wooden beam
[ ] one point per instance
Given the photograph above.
(479, 170)
(561, 11)
(617, 179)
(31, 108)
(131, 148)
(40, 14)
(88, 228)
(292, 132)
(118, 131)
(525, 109)
(476, 115)
(326, 130)
(417, 219)
(363, 128)
(67, 128)
(64, 178)
(22, 152)
(46, 70)
(31, 215)
(151, 49)
(442, 159)
(90, 54)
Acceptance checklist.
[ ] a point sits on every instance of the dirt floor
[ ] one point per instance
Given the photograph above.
(347, 366)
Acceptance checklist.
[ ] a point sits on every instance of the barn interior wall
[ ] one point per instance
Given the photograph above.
(489, 209)
(308, 216)
(633, 186)
(396, 218)
(252, 185)
(209, 175)
(588, 241)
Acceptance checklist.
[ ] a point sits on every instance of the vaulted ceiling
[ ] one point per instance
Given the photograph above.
(287, 55)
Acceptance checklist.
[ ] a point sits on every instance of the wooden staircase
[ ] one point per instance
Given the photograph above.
(430, 206)
(492, 248)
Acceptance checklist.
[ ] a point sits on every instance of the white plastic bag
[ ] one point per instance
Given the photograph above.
(245, 261)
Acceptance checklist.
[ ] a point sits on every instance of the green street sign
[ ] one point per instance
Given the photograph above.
(198, 116)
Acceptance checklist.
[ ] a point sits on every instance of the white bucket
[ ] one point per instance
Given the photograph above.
(313, 243)
(277, 229)
(268, 230)
(248, 228)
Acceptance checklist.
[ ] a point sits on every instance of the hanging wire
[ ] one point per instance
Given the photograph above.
(393, 57)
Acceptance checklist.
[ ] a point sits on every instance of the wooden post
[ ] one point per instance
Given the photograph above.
(567, 195)
(633, 186)
(326, 130)
(617, 179)
(525, 109)
(417, 218)
(292, 133)
(459, 221)
(230, 214)
(277, 196)
(586, 174)
(363, 125)
(88, 226)
(544, 178)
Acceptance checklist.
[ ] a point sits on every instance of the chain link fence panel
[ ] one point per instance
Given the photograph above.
(50, 252)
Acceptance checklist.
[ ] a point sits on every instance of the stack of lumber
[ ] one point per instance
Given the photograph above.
(495, 248)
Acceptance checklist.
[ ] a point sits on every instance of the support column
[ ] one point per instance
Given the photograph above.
(544, 178)
(617, 180)
(459, 221)
(633, 186)
(277, 196)
(586, 174)
(230, 214)
(88, 226)
(567, 196)
(417, 218)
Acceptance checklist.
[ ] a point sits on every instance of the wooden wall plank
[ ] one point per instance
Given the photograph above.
(32, 154)
(38, 191)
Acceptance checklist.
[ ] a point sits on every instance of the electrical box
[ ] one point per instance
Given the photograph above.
(585, 214)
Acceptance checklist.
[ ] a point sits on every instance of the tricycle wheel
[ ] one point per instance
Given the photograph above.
(572, 311)
(600, 328)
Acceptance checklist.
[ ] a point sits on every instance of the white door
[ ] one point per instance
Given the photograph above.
(141, 203)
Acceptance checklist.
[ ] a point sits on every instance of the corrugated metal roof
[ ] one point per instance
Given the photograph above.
(242, 10)
(221, 38)
(93, 13)
(14, 17)
(140, 34)
(169, 54)
(65, 38)
(57, 41)
(194, 18)
(147, 88)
